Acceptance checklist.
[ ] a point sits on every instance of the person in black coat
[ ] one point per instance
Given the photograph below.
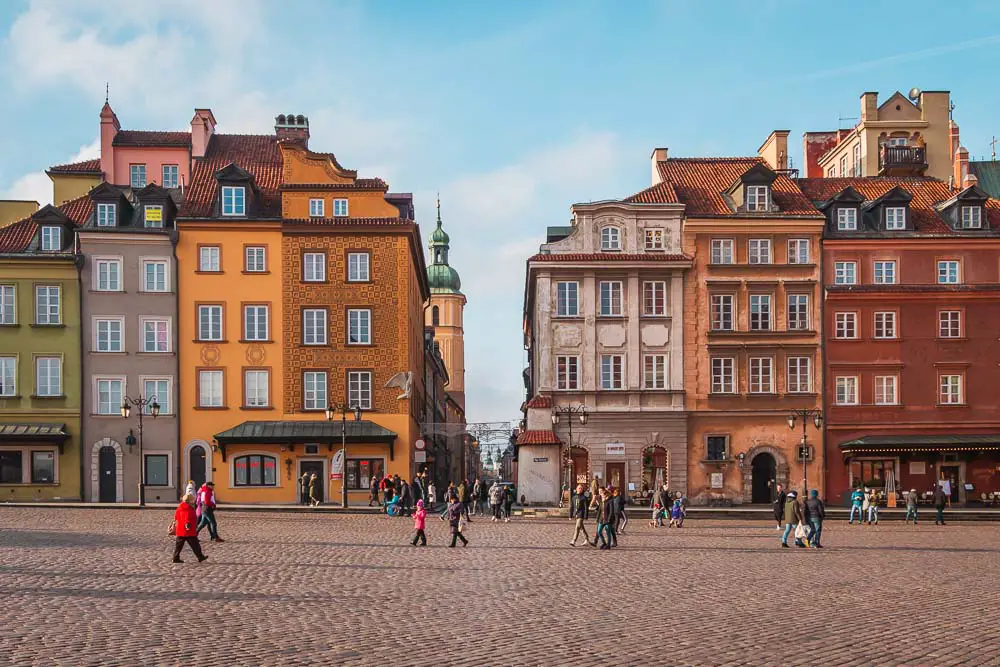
(612, 517)
(417, 489)
(779, 504)
(405, 497)
(579, 513)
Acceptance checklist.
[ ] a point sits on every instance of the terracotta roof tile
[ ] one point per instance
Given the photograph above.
(152, 138)
(700, 182)
(16, 237)
(539, 401)
(661, 193)
(538, 438)
(348, 221)
(85, 167)
(609, 257)
(359, 184)
(257, 154)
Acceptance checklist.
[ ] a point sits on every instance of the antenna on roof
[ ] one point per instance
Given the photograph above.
(107, 91)
(841, 119)
(993, 145)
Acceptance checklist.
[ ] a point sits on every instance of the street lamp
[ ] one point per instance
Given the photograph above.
(331, 412)
(141, 402)
(803, 451)
(580, 411)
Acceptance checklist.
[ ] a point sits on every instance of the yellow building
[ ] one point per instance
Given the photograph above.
(12, 210)
(70, 181)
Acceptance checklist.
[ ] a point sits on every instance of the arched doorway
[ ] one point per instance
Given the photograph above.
(579, 461)
(196, 465)
(764, 469)
(107, 474)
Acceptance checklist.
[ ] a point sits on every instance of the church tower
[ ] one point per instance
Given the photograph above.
(446, 311)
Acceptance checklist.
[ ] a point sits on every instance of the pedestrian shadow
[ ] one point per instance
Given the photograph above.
(100, 574)
(169, 596)
(51, 539)
(348, 566)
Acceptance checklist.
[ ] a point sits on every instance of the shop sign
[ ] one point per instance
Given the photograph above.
(419, 457)
(541, 459)
(716, 480)
(616, 449)
(337, 465)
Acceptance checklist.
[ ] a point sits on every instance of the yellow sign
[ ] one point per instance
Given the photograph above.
(154, 214)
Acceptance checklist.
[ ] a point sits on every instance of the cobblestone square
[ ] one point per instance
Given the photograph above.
(96, 587)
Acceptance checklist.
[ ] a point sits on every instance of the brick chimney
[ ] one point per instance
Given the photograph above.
(960, 174)
(109, 128)
(292, 128)
(869, 106)
(202, 129)
(659, 155)
(774, 150)
(953, 136)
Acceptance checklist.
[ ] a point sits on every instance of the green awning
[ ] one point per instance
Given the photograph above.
(921, 443)
(305, 432)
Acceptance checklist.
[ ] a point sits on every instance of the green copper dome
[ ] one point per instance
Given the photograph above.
(442, 278)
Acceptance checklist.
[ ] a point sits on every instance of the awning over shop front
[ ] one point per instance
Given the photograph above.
(13, 433)
(890, 444)
(305, 432)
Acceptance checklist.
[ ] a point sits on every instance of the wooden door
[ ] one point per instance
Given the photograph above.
(615, 475)
(107, 475)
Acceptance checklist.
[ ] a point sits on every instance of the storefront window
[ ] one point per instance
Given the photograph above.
(10, 468)
(157, 470)
(255, 470)
(654, 469)
(360, 472)
(43, 467)
(872, 472)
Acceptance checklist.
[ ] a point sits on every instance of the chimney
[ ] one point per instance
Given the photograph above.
(202, 129)
(292, 128)
(109, 128)
(960, 173)
(953, 136)
(774, 150)
(869, 106)
(659, 155)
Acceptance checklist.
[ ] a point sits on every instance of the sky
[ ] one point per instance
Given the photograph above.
(512, 110)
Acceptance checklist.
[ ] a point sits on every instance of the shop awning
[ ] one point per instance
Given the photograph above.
(14, 432)
(922, 443)
(305, 432)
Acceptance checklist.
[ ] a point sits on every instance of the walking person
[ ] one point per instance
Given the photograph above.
(419, 523)
(206, 499)
(496, 501)
(312, 490)
(595, 487)
(779, 504)
(857, 505)
(873, 507)
(185, 529)
(580, 503)
(405, 498)
(463, 497)
(417, 490)
(940, 501)
(454, 515)
(684, 508)
(866, 503)
(603, 517)
(190, 489)
(373, 492)
(432, 496)
(620, 503)
(815, 512)
(508, 502)
(612, 528)
(386, 488)
(304, 489)
(911, 506)
(793, 517)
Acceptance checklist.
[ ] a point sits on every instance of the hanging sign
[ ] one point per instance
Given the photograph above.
(337, 465)
(616, 449)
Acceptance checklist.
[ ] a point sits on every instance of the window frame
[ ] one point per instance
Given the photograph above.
(144, 265)
(166, 404)
(257, 373)
(654, 371)
(109, 262)
(306, 312)
(898, 216)
(165, 456)
(234, 197)
(357, 397)
(354, 273)
(758, 384)
(105, 214)
(217, 259)
(341, 204)
(152, 224)
(847, 223)
(316, 403)
(311, 256)
(879, 396)
(263, 460)
(48, 305)
(790, 324)
(33, 471)
(794, 251)
(256, 309)
(210, 308)
(48, 234)
(654, 238)
(879, 272)
(960, 389)
(759, 251)
(250, 264)
(947, 265)
(611, 298)
(764, 303)
(650, 290)
(567, 372)
(96, 334)
(850, 382)
(889, 320)
(563, 301)
(850, 317)
(797, 373)
(113, 406)
(8, 375)
(168, 339)
(365, 324)
(838, 273)
(8, 305)
(719, 249)
(709, 438)
(717, 312)
(175, 176)
(757, 198)
(210, 373)
(616, 365)
(317, 207)
(58, 360)
(718, 371)
(611, 238)
(953, 324)
(977, 210)
(137, 176)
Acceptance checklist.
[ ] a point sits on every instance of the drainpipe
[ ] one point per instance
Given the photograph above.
(822, 360)
(78, 261)
(178, 467)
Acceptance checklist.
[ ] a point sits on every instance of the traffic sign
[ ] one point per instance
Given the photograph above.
(419, 444)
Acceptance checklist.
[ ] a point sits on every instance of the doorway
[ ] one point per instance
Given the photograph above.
(615, 475)
(952, 474)
(107, 475)
(763, 470)
(578, 457)
(196, 465)
(310, 467)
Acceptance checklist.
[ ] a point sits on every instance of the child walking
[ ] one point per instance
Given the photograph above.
(419, 521)
(676, 514)
(454, 515)
(657, 519)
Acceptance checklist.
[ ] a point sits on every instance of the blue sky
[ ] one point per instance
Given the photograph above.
(512, 110)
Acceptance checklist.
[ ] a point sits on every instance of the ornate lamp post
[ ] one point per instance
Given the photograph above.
(579, 412)
(141, 402)
(331, 412)
(804, 414)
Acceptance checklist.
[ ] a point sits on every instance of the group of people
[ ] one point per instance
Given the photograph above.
(462, 502)
(803, 519)
(307, 489)
(392, 490)
(864, 502)
(195, 513)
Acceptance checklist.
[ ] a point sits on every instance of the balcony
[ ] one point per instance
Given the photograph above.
(902, 160)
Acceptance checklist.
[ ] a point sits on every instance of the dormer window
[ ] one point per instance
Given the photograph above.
(152, 216)
(316, 208)
(51, 238)
(340, 208)
(895, 217)
(234, 200)
(757, 197)
(972, 217)
(611, 238)
(107, 215)
(847, 219)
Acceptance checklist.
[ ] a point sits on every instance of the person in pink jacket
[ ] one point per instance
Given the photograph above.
(419, 522)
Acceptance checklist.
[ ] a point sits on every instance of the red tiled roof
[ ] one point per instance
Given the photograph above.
(539, 401)
(609, 257)
(661, 193)
(359, 184)
(538, 438)
(17, 236)
(700, 182)
(348, 221)
(85, 167)
(257, 154)
(152, 138)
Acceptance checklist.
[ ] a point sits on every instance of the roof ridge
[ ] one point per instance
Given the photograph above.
(729, 158)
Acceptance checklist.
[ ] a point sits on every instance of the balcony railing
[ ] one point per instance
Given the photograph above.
(902, 160)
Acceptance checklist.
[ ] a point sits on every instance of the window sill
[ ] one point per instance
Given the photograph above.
(155, 354)
(952, 405)
(165, 292)
(360, 344)
(10, 397)
(107, 291)
(207, 342)
(602, 316)
(48, 326)
(54, 396)
(359, 282)
(314, 282)
(726, 461)
(723, 394)
(257, 407)
(209, 273)
(319, 345)
(256, 273)
(952, 339)
(568, 317)
(848, 340)
(22, 484)
(650, 316)
(12, 325)
(250, 342)
(211, 407)
(108, 353)
(762, 394)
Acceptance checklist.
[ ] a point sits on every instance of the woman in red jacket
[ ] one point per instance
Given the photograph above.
(186, 529)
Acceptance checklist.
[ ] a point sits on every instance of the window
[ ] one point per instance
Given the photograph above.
(845, 273)
(833, 172)
(357, 267)
(612, 371)
(255, 323)
(950, 324)
(843, 165)
(51, 238)
(723, 375)
(435, 317)
(847, 219)
(722, 251)
(314, 385)
(170, 179)
(872, 472)
(761, 375)
(314, 326)
(654, 297)
(317, 208)
(885, 390)
(798, 251)
(340, 208)
(567, 299)
(137, 176)
(757, 197)
(158, 388)
(360, 472)
(152, 216)
(43, 467)
(47, 310)
(210, 389)
(611, 297)
(256, 259)
(209, 259)
(314, 267)
(798, 312)
(654, 239)
(359, 389)
(799, 376)
(157, 469)
(256, 389)
(895, 217)
(847, 390)
(8, 376)
(109, 275)
(885, 273)
(897, 141)
(11, 469)
(722, 312)
(155, 335)
(760, 312)
(857, 159)
(654, 371)
(951, 390)
(885, 324)
(108, 335)
(359, 326)
(255, 470)
(717, 447)
(48, 376)
(110, 392)
(154, 276)
(209, 322)
(611, 238)
(846, 325)
(759, 251)
(948, 272)
(106, 215)
(8, 314)
(233, 200)
(972, 217)
(567, 373)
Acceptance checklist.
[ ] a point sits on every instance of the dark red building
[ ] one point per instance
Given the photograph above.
(911, 271)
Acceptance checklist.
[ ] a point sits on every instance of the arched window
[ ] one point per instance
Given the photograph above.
(255, 470)
(435, 316)
(611, 238)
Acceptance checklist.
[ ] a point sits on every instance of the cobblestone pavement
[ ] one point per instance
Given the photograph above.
(96, 587)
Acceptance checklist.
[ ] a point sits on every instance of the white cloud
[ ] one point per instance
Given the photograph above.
(36, 186)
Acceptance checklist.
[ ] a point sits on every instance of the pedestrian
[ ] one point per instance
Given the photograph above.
(857, 505)
(580, 515)
(594, 492)
(620, 503)
(684, 508)
(676, 514)
(304, 489)
(190, 489)
(611, 527)
(940, 501)
(454, 514)
(185, 529)
(312, 490)
(508, 501)
(873, 507)
(664, 498)
(779, 504)
(815, 512)
(373, 492)
(793, 518)
(419, 522)
(206, 498)
(432, 495)
(417, 491)
(866, 503)
(604, 513)
(385, 486)
(496, 501)
(911, 506)
(463, 497)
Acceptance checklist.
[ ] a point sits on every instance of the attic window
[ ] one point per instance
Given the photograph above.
(51, 238)
(153, 216)
(611, 238)
(106, 215)
(757, 197)
(895, 217)
(316, 208)
(972, 217)
(233, 200)
(847, 219)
